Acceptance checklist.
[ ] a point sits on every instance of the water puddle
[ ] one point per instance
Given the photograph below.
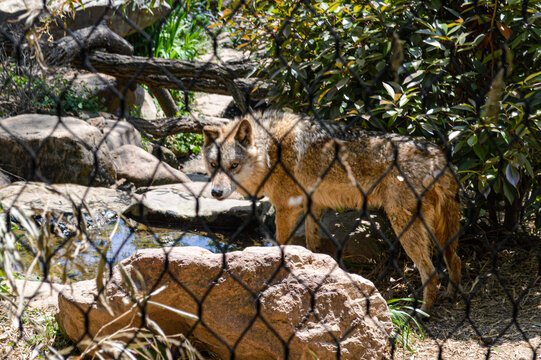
(75, 259)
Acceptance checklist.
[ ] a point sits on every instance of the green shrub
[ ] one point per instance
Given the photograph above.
(182, 35)
(24, 92)
(465, 76)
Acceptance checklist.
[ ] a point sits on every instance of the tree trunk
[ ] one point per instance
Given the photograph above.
(166, 101)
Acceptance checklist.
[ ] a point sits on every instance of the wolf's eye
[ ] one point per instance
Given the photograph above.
(213, 165)
(234, 165)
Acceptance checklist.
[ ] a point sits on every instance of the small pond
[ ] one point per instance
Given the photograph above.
(73, 258)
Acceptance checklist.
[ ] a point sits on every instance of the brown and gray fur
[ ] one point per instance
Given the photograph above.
(261, 153)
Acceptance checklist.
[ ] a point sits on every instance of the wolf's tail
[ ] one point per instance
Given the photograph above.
(447, 226)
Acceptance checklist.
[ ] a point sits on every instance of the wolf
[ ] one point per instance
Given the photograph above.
(305, 166)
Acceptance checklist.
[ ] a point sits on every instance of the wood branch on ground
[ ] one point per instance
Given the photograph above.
(177, 74)
(72, 46)
(162, 127)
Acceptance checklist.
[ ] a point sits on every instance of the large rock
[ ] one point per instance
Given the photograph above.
(136, 100)
(213, 104)
(35, 198)
(117, 133)
(195, 165)
(189, 205)
(117, 14)
(144, 169)
(357, 239)
(4, 179)
(310, 304)
(144, 104)
(45, 147)
(163, 154)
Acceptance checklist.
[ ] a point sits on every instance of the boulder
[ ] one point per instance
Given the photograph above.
(163, 154)
(11, 10)
(117, 14)
(268, 300)
(195, 165)
(34, 198)
(4, 179)
(189, 206)
(212, 104)
(118, 133)
(41, 294)
(225, 54)
(360, 240)
(107, 89)
(197, 188)
(144, 103)
(54, 149)
(143, 169)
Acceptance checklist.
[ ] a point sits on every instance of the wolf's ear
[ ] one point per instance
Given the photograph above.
(244, 133)
(210, 134)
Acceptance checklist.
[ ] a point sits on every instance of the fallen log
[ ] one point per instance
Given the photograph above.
(71, 47)
(178, 74)
(162, 127)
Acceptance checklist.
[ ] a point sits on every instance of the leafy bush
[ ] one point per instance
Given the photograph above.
(184, 144)
(181, 35)
(465, 76)
(24, 91)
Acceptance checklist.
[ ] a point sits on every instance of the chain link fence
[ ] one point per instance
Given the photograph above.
(396, 140)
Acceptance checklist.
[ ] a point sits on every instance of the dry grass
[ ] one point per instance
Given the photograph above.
(482, 323)
(30, 338)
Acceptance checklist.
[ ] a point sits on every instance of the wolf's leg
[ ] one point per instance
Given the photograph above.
(453, 265)
(286, 218)
(313, 238)
(416, 243)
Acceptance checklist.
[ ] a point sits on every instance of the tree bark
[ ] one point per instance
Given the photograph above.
(72, 46)
(165, 100)
(178, 74)
(173, 125)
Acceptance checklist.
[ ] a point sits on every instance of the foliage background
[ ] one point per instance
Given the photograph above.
(463, 74)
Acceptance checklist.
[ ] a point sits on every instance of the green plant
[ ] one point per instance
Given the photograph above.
(185, 144)
(45, 324)
(463, 74)
(405, 323)
(182, 35)
(24, 91)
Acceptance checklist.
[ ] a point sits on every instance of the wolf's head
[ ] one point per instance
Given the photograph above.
(230, 156)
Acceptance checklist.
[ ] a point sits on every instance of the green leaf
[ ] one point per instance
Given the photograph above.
(472, 140)
(389, 89)
(434, 43)
(528, 78)
(480, 151)
(416, 74)
(512, 175)
(454, 134)
(509, 194)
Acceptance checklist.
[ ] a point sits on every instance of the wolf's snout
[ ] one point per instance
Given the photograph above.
(217, 193)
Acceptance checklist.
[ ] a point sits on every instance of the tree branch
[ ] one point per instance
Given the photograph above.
(160, 128)
(177, 74)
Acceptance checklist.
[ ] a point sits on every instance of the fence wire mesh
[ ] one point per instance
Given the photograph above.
(398, 141)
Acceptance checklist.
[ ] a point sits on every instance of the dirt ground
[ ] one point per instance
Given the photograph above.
(498, 315)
